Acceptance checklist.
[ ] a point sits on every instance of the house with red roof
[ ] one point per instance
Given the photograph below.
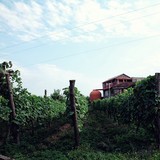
(114, 86)
(118, 84)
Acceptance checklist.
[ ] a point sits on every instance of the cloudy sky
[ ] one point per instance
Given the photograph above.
(53, 41)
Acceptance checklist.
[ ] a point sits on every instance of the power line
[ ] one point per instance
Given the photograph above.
(43, 44)
(121, 14)
(97, 49)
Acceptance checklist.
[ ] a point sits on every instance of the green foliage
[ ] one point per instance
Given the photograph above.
(4, 66)
(56, 95)
(105, 134)
(119, 107)
(136, 105)
(31, 110)
(86, 153)
(4, 69)
(4, 109)
(81, 153)
(81, 106)
(48, 154)
(156, 156)
(145, 102)
(36, 110)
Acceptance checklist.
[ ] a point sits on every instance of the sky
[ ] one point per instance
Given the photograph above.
(90, 41)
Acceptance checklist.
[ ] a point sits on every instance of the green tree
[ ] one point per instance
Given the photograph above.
(56, 95)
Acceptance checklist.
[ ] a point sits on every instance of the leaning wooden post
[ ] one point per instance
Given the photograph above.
(12, 106)
(15, 127)
(157, 116)
(74, 116)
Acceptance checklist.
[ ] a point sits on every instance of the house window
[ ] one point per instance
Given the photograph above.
(106, 94)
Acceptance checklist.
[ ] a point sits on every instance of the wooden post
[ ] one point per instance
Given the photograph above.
(157, 76)
(45, 93)
(14, 127)
(157, 116)
(74, 116)
(11, 96)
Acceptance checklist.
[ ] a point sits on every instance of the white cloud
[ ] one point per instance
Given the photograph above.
(55, 14)
(58, 20)
(59, 34)
(143, 64)
(89, 10)
(33, 19)
(22, 19)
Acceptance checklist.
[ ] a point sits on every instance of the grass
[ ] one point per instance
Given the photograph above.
(100, 139)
